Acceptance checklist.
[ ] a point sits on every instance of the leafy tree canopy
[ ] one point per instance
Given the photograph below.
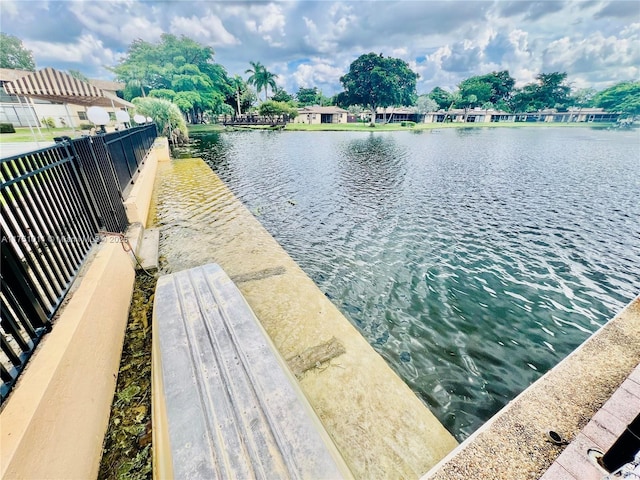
(273, 109)
(280, 95)
(179, 65)
(623, 97)
(14, 55)
(549, 91)
(426, 104)
(441, 97)
(307, 96)
(375, 81)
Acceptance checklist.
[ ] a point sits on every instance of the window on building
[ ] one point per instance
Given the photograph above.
(82, 115)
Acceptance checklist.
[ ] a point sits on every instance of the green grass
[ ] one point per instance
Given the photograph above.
(23, 134)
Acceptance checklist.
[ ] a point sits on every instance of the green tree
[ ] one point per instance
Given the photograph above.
(273, 110)
(549, 91)
(310, 96)
(474, 90)
(623, 98)
(14, 55)
(583, 97)
(261, 78)
(176, 64)
(441, 97)
(426, 104)
(374, 81)
(280, 95)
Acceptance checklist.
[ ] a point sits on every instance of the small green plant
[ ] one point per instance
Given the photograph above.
(408, 124)
(7, 128)
(48, 122)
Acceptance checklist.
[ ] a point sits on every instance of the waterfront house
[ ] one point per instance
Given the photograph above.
(27, 98)
(315, 115)
(398, 114)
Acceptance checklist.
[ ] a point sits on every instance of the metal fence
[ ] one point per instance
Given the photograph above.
(53, 204)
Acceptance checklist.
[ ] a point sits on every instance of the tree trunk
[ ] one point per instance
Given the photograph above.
(373, 116)
(238, 101)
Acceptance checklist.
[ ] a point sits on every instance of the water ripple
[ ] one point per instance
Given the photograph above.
(472, 261)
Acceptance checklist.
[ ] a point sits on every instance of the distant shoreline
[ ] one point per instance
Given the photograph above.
(394, 127)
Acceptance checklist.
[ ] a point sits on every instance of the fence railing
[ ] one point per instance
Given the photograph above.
(53, 204)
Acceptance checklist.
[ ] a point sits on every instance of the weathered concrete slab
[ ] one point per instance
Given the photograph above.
(229, 406)
(148, 251)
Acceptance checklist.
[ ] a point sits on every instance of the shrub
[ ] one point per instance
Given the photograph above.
(86, 126)
(163, 112)
(48, 122)
(408, 124)
(7, 128)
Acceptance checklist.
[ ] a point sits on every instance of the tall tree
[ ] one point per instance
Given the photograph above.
(308, 96)
(14, 55)
(180, 69)
(281, 95)
(261, 78)
(583, 97)
(441, 97)
(375, 81)
(550, 90)
(623, 98)
(426, 104)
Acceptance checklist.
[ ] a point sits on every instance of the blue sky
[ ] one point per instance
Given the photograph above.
(312, 43)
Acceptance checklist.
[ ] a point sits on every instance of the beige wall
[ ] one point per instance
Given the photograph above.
(54, 421)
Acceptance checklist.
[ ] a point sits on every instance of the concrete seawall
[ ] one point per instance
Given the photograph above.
(378, 424)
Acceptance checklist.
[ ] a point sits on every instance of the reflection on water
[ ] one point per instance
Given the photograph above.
(472, 260)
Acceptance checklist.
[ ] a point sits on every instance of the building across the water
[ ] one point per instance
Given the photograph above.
(315, 115)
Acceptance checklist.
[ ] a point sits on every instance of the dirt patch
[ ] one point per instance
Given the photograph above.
(127, 445)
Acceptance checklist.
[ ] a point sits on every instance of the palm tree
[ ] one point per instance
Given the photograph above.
(261, 77)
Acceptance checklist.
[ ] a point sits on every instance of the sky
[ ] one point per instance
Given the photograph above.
(312, 43)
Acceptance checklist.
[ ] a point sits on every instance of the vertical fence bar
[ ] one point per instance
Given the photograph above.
(53, 203)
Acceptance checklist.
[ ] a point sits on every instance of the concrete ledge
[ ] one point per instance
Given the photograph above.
(138, 202)
(513, 444)
(53, 423)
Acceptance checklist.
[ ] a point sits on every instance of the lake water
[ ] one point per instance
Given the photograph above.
(473, 260)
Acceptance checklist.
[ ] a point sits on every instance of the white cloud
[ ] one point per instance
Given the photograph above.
(317, 73)
(8, 8)
(116, 20)
(87, 50)
(208, 29)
